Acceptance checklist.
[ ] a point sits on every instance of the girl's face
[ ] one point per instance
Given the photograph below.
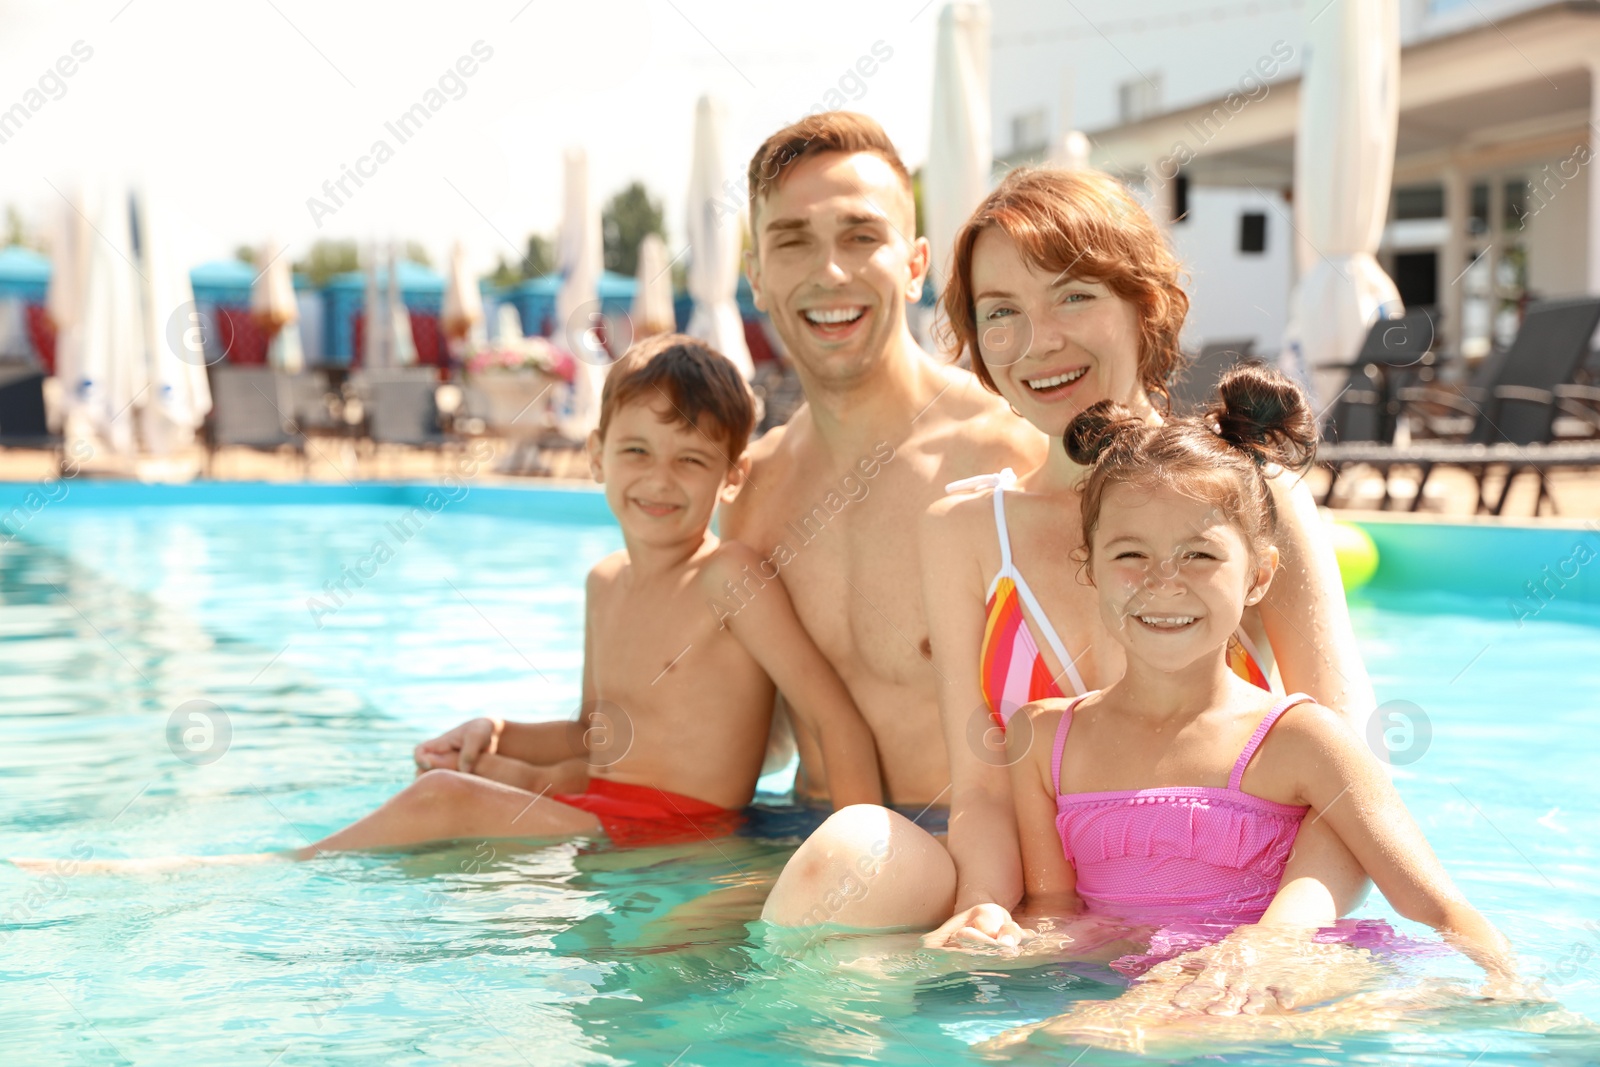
(1174, 575)
(1053, 343)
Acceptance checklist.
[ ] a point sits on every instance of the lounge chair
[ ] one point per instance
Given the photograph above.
(1195, 388)
(23, 422)
(250, 409)
(1365, 409)
(400, 407)
(1512, 416)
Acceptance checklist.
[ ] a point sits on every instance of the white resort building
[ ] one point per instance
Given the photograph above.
(1496, 191)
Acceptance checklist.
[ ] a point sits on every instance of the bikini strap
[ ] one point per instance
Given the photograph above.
(1000, 486)
(1061, 740)
(1260, 735)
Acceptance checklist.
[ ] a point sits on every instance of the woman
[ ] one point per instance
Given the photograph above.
(1063, 293)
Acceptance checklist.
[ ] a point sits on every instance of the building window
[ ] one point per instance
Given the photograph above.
(1028, 131)
(1253, 232)
(1419, 202)
(1139, 98)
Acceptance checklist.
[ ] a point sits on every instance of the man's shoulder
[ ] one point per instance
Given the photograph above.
(976, 430)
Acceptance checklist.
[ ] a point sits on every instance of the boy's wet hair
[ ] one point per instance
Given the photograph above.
(1261, 417)
(701, 385)
(830, 131)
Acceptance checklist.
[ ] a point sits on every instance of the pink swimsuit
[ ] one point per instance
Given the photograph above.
(1179, 852)
(1193, 861)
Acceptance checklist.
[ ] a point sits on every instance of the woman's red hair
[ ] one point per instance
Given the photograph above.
(1084, 224)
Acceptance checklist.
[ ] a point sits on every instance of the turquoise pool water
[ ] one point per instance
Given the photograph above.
(112, 617)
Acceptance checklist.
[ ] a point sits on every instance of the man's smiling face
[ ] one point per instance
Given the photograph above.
(835, 261)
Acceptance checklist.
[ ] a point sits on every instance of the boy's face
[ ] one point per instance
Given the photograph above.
(1174, 575)
(663, 479)
(836, 258)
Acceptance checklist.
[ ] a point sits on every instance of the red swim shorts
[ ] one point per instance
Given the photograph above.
(640, 815)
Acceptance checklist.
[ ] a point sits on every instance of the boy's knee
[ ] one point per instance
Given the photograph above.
(440, 788)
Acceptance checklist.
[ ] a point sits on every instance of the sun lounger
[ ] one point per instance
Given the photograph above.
(249, 409)
(1512, 416)
(400, 407)
(1364, 410)
(23, 422)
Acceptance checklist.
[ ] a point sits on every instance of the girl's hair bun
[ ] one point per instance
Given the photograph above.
(1094, 430)
(1265, 415)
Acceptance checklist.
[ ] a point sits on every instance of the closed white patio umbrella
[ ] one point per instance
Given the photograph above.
(714, 244)
(1343, 165)
(652, 299)
(398, 339)
(113, 373)
(179, 394)
(461, 316)
(273, 303)
(69, 275)
(961, 151)
(578, 300)
(373, 324)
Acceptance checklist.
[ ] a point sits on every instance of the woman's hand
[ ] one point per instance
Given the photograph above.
(982, 926)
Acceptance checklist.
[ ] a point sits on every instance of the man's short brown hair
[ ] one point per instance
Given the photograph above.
(831, 131)
(699, 382)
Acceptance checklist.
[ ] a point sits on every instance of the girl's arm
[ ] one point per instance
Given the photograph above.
(771, 632)
(1333, 771)
(1308, 624)
(983, 831)
(1315, 648)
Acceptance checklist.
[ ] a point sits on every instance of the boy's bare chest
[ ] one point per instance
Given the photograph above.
(643, 639)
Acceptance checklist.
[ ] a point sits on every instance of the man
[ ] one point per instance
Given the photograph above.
(834, 260)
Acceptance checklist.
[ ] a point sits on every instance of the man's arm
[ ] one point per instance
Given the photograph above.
(768, 628)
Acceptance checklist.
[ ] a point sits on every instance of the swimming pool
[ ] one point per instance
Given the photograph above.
(119, 605)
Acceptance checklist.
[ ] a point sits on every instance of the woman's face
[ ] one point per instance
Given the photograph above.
(1054, 344)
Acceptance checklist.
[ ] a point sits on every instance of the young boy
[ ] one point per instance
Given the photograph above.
(677, 689)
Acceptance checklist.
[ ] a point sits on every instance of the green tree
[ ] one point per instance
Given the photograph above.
(16, 230)
(624, 222)
(328, 258)
(417, 254)
(540, 259)
(245, 254)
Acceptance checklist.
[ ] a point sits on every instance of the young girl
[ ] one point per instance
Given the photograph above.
(1173, 796)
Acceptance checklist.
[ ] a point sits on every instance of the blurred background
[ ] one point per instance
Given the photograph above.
(517, 190)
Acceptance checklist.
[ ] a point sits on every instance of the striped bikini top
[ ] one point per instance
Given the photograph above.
(1011, 670)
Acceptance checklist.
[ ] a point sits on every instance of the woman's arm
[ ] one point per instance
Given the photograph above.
(1046, 873)
(771, 632)
(983, 832)
(1304, 611)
